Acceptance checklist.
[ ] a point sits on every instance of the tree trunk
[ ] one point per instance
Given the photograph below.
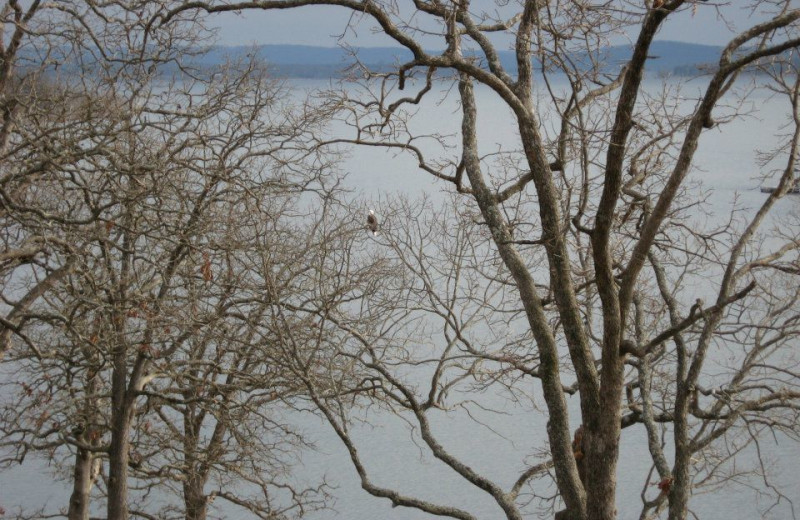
(118, 469)
(679, 490)
(83, 479)
(120, 439)
(87, 465)
(602, 452)
(195, 500)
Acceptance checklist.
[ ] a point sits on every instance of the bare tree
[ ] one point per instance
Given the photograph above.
(53, 54)
(588, 219)
(149, 192)
(215, 417)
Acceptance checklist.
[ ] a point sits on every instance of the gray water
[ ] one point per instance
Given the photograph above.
(395, 457)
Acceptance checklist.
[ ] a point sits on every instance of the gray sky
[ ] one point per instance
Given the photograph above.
(321, 25)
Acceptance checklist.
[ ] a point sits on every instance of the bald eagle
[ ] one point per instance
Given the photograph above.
(372, 222)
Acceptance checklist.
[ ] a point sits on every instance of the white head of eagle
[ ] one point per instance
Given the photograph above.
(372, 222)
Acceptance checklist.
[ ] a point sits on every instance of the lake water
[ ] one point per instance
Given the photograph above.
(396, 458)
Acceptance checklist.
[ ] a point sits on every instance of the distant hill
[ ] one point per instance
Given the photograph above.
(323, 62)
(304, 61)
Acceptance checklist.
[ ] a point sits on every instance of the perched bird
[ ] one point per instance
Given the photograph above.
(372, 222)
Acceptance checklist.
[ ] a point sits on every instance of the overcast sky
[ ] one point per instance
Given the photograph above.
(320, 25)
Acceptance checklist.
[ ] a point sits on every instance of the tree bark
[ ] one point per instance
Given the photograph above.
(195, 500)
(118, 454)
(83, 479)
(120, 428)
(86, 463)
